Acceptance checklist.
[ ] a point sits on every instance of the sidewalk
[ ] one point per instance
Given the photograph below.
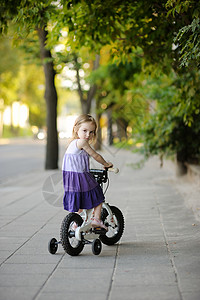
(157, 257)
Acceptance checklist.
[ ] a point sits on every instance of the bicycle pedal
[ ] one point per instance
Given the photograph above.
(99, 230)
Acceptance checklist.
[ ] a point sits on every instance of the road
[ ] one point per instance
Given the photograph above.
(20, 156)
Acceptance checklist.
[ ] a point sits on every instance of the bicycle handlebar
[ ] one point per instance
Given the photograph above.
(101, 176)
(114, 170)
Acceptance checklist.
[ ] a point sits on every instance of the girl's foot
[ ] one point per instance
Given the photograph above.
(97, 223)
(74, 226)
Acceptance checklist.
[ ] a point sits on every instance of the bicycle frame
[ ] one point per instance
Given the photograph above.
(85, 228)
(87, 214)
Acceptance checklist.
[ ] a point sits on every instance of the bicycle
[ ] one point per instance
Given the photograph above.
(74, 239)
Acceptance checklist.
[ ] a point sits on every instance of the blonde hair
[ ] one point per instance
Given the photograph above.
(85, 118)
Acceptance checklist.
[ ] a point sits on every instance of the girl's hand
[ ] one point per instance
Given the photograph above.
(109, 165)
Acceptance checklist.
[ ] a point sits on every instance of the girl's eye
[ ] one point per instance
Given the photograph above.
(91, 132)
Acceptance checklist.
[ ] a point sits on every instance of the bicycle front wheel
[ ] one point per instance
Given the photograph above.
(69, 242)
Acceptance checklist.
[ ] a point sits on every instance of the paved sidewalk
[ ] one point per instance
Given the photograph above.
(157, 257)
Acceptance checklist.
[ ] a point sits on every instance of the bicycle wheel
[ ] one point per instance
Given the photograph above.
(114, 231)
(69, 242)
(53, 246)
(96, 247)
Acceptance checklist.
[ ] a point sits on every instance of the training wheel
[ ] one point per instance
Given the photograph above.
(53, 246)
(96, 247)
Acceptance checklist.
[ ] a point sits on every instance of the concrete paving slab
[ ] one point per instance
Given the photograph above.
(70, 295)
(145, 292)
(19, 269)
(35, 259)
(22, 280)
(191, 295)
(88, 284)
(9, 293)
(157, 257)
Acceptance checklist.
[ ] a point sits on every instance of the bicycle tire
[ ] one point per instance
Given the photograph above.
(53, 246)
(96, 247)
(70, 244)
(114, 234)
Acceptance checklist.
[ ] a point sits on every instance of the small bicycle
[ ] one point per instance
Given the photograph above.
(74, 238)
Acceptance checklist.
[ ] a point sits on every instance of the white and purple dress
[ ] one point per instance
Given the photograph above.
(81, 189)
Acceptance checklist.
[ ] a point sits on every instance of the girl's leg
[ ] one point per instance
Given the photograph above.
(97, 211)
(96, 222)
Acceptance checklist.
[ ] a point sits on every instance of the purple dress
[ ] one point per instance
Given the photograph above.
(81, 189)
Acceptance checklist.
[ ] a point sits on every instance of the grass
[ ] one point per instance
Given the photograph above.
(15, 132)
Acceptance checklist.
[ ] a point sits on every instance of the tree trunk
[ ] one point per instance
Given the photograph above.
(121, 129)
(86, 103)
(181, 168)
(98, 143)
(51, 103)
(109, 129)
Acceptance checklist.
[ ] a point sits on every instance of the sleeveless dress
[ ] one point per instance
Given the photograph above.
(80, 187)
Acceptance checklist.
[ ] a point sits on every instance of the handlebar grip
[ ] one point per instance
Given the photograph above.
(115, 170)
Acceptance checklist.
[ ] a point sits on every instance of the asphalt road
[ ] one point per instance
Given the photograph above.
(21, 156)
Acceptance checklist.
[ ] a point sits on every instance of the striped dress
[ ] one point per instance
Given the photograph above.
(80, 187)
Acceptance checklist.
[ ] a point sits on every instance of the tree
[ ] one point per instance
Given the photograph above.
(144, 29)
(129, 25)
(124, 25)
(117, 92)
(19, 82)
(188, 37)
(86, 103)
(30, 92)
(152, 27)
(30, 16)
(51, 101)
(10, 61)
(82, 65)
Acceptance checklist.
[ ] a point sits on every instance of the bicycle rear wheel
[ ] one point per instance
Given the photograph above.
(114, 231)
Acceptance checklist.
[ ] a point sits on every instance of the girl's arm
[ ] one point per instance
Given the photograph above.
(83, 144)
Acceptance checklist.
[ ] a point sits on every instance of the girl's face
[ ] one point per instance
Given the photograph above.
(86, 131)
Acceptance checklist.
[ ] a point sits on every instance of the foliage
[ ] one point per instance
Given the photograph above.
(30, 16)
(124, 25)
(9, 58)
(167, 132)
(155, 27)
(113, 77)
(18, 81)
(10, 61)
(74, 68)
(22, 132)
(127, 25)
(187, 38)
(31, 92)
(147, 41)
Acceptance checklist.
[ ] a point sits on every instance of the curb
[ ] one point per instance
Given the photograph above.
(193, 173)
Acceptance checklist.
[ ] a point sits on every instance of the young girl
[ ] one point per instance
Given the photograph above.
(81, 189)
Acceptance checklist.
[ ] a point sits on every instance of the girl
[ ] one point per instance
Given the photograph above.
(81, 189)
